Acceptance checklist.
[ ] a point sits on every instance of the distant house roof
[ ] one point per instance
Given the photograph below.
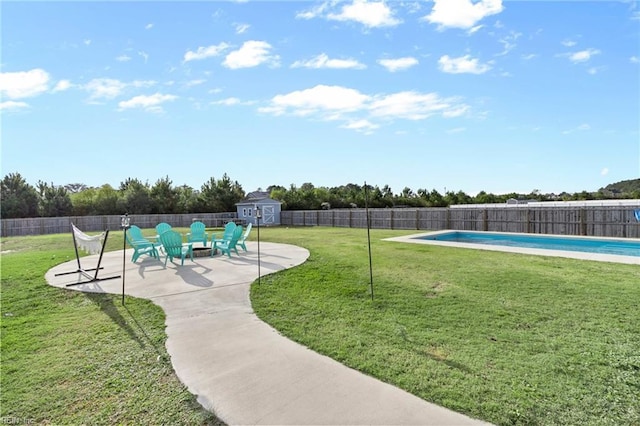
(256, 195)
(261, 197)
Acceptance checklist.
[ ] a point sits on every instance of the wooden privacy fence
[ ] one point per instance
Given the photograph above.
(58, 225)
(597, 221)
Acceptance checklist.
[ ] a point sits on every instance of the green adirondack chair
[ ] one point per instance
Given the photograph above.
(140, 244)
(161, 227)
(228, 232)
(244, 237)
(228, 245)
(173, 247)
(198, 233)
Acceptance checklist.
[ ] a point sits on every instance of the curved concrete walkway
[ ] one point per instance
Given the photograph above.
(238, 366)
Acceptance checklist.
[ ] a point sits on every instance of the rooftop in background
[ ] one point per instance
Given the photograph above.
(256, 195)
(582, 203)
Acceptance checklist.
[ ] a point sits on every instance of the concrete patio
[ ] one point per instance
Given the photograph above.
(238, 366)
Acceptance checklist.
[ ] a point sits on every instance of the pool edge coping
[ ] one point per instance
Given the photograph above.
(598, 257)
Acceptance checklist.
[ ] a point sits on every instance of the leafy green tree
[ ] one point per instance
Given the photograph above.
(293, 198)
(308, 197)
(483, 198)
(19, 199)
(459, 197)
(436, 199)
(84, 202)
(135, 197)
(322, 195)
(106, 201)
(221, 195)
(54, 201)
(164, 197)
(189, 200)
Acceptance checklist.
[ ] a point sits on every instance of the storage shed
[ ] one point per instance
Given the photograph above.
(269, 208)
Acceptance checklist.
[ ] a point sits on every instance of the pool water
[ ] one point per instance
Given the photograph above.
(590, 245)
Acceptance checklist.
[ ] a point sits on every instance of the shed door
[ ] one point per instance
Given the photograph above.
(268, 215)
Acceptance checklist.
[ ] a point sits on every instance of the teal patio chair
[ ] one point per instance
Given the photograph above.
(140, 244)
(228, 232)
(244, 237)
(228, 245)
(173, 247)
(161, 227)
(135, 233)
(198, 233)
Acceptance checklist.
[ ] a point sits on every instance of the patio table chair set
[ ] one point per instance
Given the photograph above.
(170, 242)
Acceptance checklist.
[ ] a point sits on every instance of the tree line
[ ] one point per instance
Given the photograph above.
(22, 200)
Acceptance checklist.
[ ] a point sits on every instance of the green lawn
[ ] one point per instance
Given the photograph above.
(74, 358)
(511, 339)
(507, 338)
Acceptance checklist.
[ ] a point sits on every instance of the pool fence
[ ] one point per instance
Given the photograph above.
(599, 221)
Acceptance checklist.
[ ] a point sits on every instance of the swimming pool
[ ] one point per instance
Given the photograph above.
(549, 242)
(591, 248)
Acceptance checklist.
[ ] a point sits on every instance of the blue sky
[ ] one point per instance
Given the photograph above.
(500, 96)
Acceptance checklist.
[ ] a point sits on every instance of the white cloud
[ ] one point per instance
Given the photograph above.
(108, 88)
(320, 98)
(87, 42)
(242, 28)
(462, 13)
(604, 171)
(634, 60)
(323, 61)
(363, 126)
(205, 52)
(149, 103)
(529, 56)
(62, 85)
(568, 43)
(582, 55)
(144, 55)
(455, 111)
(251, 54)
(461, 65)
(398, 64)
(359, 111)
(370, 14)
(13, 105)
(123, 58)
(509, 43)
(227, 101)
(581, 128)
(24, 84)
(314, 12)
(192, 83)
(456, 130)
(410, 105)
(148, 26)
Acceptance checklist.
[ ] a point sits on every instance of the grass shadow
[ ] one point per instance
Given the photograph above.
(137, 333)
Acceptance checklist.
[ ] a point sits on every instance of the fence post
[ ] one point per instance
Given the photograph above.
(485, 218)
(583, 222)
